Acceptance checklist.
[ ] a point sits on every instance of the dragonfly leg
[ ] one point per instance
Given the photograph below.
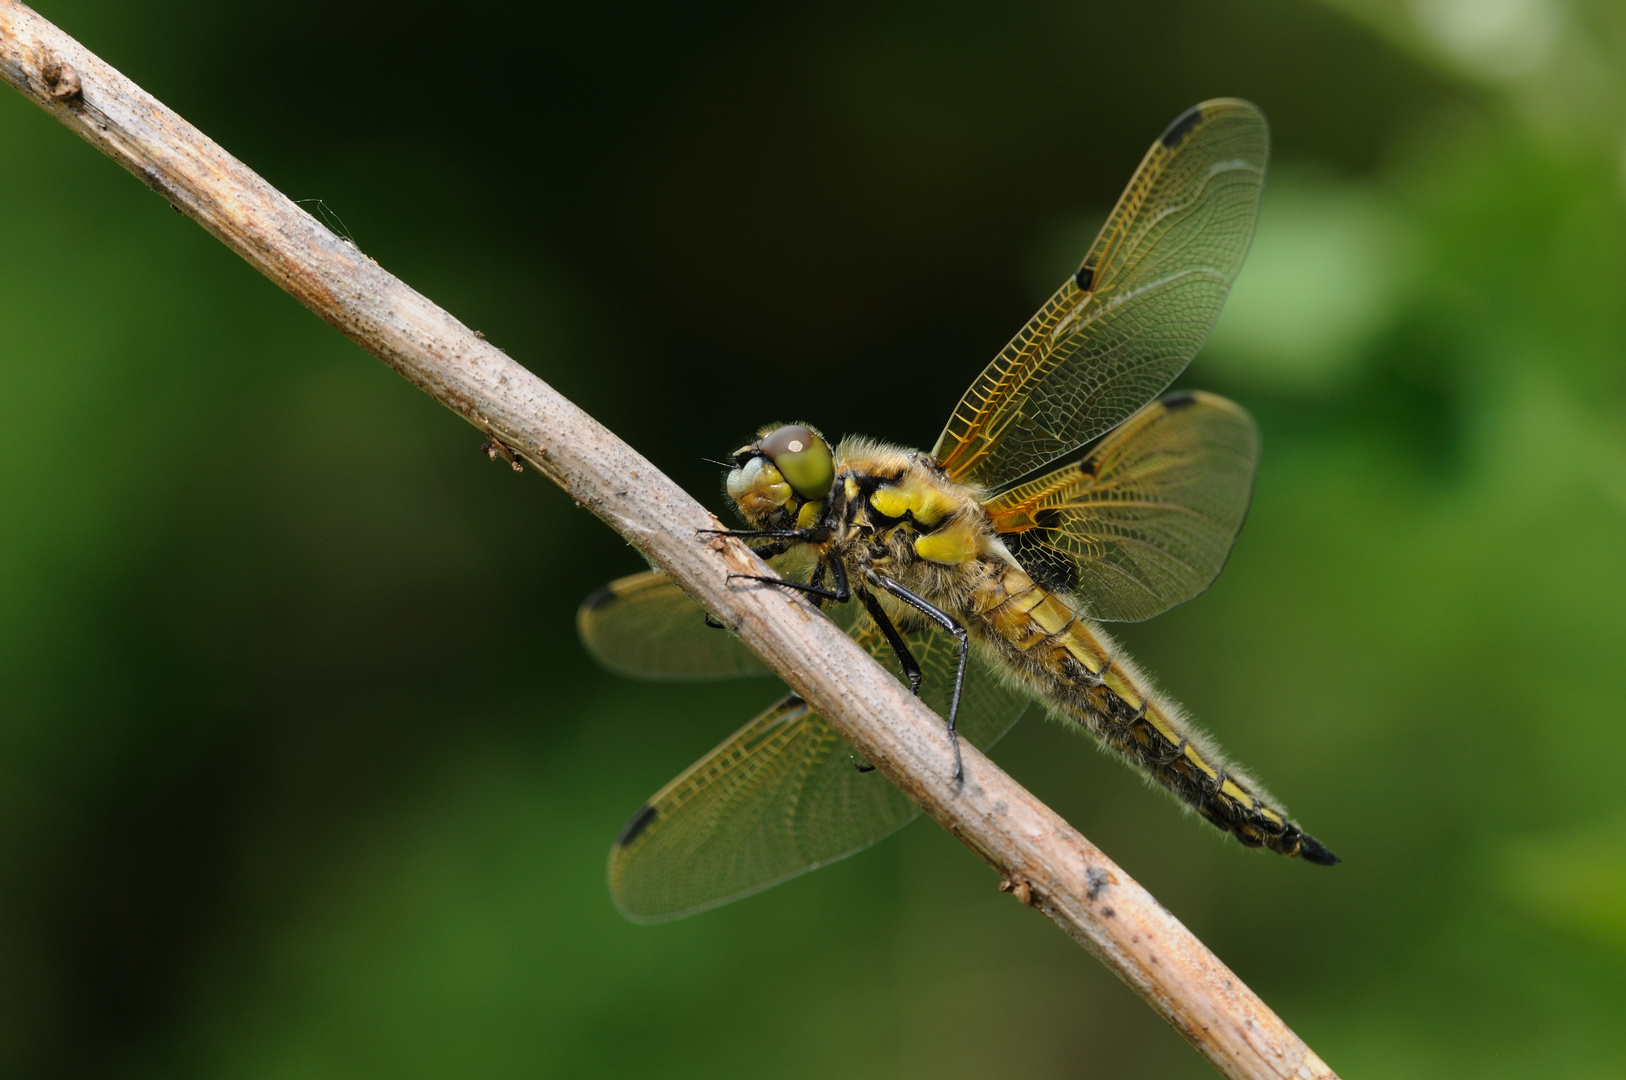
(840, 594)
(760, 534)
(817, 579)
(952, 625)
(768, 551)
(783, 539)
(906, 659)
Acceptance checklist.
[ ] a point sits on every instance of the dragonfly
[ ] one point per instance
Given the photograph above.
(1062, 494)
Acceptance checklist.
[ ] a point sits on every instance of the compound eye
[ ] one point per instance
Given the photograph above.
(803, 459)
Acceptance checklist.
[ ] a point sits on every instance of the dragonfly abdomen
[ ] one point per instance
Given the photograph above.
(1073, 667)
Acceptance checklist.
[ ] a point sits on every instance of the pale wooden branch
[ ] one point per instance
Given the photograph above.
(1043, 860)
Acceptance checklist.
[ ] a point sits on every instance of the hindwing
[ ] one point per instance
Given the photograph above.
(1146, 519)
(785, 793)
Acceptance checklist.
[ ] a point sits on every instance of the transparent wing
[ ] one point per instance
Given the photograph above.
(1147, 519)
(784, 794)
(1119, 331)
(645, 627)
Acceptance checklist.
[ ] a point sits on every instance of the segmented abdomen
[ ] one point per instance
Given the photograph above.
(1067, 661)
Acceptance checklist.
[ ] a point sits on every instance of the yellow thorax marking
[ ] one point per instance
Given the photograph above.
(890, 502)
(952, 546)
(924, 502)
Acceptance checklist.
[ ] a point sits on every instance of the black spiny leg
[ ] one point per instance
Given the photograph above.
(840, 594)
(817, 579)
(783, 539)
(952, 625)
(906, 659)
(768, 551)
(805, 535)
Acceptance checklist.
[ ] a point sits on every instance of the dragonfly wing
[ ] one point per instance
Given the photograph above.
(1137, 311)
(645, 627)
(1147, 519)
(784, 794)
(779, 797)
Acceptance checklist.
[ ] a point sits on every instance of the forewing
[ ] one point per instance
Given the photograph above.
(784, 794)
(645, 627)
(1147, 519)
(1137, 311)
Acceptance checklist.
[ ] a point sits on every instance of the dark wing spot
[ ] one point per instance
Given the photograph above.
(1312, 851)
(598, 598)
(1181, 400)
(1084, 278)
(1098, 881)
(1041, 561)
(1181, 127)
(636, 825)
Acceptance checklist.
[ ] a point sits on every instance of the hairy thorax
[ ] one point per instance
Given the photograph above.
(895, 512)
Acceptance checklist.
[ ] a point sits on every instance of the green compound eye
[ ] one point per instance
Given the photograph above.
(802, 458)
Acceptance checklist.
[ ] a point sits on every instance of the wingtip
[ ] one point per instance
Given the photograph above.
(598, 598)
(1181, 127)
(640, 820)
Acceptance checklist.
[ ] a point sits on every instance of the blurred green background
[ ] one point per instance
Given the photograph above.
(303, 773)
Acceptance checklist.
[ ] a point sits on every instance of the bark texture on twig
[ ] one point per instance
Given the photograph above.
(1044, 862)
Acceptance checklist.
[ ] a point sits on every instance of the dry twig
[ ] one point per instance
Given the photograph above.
(1042, 859)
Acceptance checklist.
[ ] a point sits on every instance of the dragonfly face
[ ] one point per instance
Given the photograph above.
(781, 474)
(985, 588)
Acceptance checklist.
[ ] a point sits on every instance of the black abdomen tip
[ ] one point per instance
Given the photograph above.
(1312, 851)
(1181, 127)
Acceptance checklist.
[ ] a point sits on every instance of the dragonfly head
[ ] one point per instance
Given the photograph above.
(785, 470)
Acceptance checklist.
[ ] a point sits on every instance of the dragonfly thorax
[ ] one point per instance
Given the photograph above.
(903, 510)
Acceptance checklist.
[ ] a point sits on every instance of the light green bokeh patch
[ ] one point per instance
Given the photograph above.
(1330, 264)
